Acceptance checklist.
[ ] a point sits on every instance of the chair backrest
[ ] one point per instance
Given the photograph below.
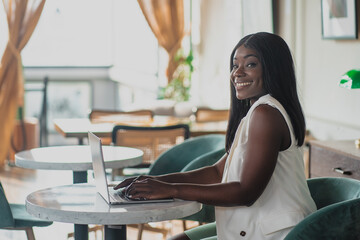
(338, 214)
(104, 115)
(327, 191)
(203, 114)
(177, 157)
(139, 116)
(6, 217)
(207, 213)
(152, 140)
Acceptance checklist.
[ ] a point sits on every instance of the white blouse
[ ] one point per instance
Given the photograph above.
(286, 199)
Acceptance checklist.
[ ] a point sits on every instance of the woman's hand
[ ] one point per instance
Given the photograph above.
(128, 181)
(150, 188)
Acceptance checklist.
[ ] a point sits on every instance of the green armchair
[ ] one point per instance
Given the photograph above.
(207, 213)
(338, 214)
(337, 217)
(15, 217)
(177, 157)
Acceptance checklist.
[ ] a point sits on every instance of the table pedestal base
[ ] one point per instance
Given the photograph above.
(81, 232)
(80, 176)
(113, 232)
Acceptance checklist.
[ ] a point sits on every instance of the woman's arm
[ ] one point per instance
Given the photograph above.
(268, 134)
(205, 175)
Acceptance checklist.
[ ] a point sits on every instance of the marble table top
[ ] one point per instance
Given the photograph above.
(81, 204)
(76, 158)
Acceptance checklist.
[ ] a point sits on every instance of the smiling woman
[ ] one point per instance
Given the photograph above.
(246, 74)
(263, 156)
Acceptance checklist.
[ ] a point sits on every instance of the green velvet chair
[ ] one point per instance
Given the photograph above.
(176, 158)
(338, 214)
(207, 213)
(15, 217)
(337, 217)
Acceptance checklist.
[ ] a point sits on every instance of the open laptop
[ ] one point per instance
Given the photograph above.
(110, 195)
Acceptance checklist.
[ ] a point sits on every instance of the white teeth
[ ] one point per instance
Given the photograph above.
(241, 84)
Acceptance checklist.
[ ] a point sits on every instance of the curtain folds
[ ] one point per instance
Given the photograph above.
(22, 18)
(166, 20)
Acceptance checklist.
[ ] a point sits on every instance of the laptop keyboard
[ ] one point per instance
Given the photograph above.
(118, 195)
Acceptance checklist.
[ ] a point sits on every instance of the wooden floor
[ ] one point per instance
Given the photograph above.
(19, 182)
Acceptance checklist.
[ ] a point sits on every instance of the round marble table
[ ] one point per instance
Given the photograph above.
(76, 158)
(81, 204)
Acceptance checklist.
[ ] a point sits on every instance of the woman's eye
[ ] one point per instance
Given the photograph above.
(234, 67)
(251, 65)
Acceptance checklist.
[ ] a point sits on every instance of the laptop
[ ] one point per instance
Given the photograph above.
(107, 192)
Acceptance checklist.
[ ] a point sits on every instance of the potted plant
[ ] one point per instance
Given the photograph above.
(178, 88)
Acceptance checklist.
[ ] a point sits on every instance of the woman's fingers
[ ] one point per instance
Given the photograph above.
(128, 181)
(124, 183)
(148, 189)
(136, 194)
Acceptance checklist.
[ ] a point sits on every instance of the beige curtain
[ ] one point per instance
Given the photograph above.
(22, 18)
(166, 20)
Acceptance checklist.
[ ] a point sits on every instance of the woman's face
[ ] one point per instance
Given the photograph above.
(246, 75)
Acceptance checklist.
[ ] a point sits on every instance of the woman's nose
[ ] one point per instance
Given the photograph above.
(239, 72)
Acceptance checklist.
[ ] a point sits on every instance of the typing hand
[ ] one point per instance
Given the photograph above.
(128, 181)
(149, 188)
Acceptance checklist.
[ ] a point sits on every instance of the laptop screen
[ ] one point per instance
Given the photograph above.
(98, 166)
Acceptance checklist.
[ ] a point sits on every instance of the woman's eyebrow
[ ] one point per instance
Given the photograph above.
(250, 55)
(247, 56)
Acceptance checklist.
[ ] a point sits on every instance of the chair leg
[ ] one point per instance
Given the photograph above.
(184, 225)
(140, 231)
(30, 233)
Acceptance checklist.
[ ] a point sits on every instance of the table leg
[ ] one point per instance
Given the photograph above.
(113, 232)
(79, 176)
(81, 232)
(81, 141)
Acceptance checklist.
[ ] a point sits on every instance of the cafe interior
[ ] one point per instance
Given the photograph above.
(148, 77)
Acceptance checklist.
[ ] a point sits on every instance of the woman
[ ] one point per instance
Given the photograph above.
(258, 187)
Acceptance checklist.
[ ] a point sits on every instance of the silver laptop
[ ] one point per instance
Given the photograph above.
(110, 195)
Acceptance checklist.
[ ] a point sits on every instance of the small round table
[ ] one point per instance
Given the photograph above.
(76, 158)
(81, 204)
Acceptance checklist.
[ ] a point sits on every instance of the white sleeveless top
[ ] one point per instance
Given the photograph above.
(286, 199)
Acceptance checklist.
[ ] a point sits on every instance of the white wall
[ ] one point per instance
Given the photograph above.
(331, 112)
(220, 31)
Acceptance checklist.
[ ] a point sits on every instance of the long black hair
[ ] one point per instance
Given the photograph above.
(278, 80)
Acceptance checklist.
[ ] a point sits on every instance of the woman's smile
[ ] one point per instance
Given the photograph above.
(246, 74)
(239, 84)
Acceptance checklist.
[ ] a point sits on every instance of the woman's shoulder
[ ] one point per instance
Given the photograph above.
(267, 113)
(269, 100)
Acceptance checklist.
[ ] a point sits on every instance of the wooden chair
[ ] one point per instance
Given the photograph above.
(97, 115)
(15, 217)
(152, 140)
(204, 114)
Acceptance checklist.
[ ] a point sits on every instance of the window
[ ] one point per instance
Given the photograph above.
(72, 33)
